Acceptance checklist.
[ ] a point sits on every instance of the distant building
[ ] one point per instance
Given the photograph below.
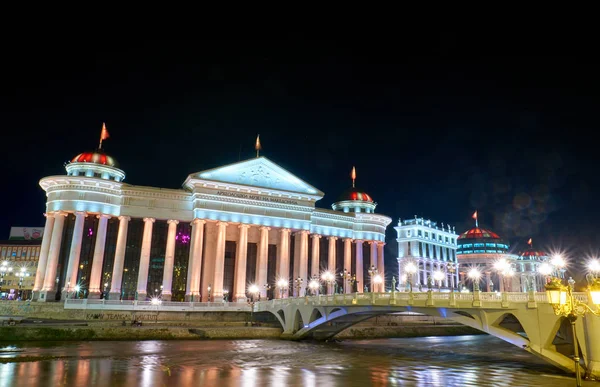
(431, 248)
(18, 264)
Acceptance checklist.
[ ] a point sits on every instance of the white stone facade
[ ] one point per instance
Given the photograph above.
(430, 248)
(252, 201)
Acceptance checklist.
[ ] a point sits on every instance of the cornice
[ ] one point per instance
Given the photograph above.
(257, 203)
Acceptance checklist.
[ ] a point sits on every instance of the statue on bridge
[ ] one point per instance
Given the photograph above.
(429, 283)
(366, 289)
(393, 284)
(491, 286)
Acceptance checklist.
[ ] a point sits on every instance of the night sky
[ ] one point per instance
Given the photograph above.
(438, 134)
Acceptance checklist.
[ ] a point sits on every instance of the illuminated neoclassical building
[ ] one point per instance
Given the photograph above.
(247, 222)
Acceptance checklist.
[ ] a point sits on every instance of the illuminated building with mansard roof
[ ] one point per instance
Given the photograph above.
(431, 248)
(251, 222)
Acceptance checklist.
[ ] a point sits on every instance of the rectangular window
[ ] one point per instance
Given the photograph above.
(427, 248)
(420, 249)
(446, 239)
(434, 251)
(419, 233)
(409, 252)
(426, 234)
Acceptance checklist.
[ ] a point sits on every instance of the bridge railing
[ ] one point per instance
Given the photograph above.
(456, 299)
(163, 306)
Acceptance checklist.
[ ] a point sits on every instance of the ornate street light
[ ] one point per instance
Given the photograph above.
(345, 277)
(209, 289)
(546, 270)
(253, 291)
(314, 286)
(267, 288)
(372, 272)
(282, 284)
(410, 269)
(451, 267)
(565, 304)
(377, 280)
(438, 276)
(594, 267)
(475, 275)
(298, 281)
(328, 277)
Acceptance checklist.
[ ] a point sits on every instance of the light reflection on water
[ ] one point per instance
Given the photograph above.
(433, 361)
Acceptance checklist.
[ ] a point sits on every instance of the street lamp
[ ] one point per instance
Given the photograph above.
(298, 282)
(253, 290)
(156, 302)
(451, 267)
(566, 305)
(22, 273)
(328, 277)
(438, 276)
(209, 289)
(377, 280)
(314, 286)
(372, 272)
(282, 284)
(76, 289)
(267, 288)
(410, 269)
(594, 267)
(546, 270)
(475, 275)
(345, 277)
(559, 262)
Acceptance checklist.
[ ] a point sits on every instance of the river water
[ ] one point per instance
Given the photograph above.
(429, 361)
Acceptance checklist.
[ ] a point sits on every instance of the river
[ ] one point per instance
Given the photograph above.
(431, 361)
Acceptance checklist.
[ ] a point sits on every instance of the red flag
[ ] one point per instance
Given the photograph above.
(104, 135)
(475, 215)
(529, 242)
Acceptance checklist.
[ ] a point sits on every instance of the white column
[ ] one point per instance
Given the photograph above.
(263, 256)
(117, 274)
(192, 290)
(488, 278)
(445, 275)
(95, 288)
(43, 257)
(331, 261)
(49, 289)
(142, 282)
(314, 261)
(381, 265)
(73, 265)
(167, 283)
(347, 264)
(241, 255)
(303, 260)
(359, 266)
(283, 259)
(219, 262)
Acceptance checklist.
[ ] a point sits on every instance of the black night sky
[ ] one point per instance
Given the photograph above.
(438, 134)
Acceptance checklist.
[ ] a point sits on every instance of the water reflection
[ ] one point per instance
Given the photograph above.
(449, 361)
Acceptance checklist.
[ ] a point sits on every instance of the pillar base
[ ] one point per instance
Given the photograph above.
(66, 294)
(141, 296)
(593, 370)
(47, 296)
(114, 296)
(240, 299)
(165, 297)
(35, 295)
(192, 298)
(94, 295)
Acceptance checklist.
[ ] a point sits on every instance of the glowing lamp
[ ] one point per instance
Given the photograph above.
(595, 292)
(377, 279)
(556, 292)
(253, 289)
(410, 268)
(438, 275)
(594, 266)
(558, 261)
(313, 284)
(282, 284)
(545, 269)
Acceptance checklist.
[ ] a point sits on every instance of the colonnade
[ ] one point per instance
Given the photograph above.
(203, 268)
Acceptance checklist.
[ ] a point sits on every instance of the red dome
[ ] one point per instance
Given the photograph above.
(354, 194)
(533, 253)
(479, 233)
(96, 157)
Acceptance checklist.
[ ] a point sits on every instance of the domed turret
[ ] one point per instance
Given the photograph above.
(530, 254)
(480, 241)
(96, 163)
(354, 200)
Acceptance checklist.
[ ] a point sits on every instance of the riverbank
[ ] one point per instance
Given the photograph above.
(85, 333)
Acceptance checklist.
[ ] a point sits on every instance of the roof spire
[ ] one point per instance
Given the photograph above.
(353, 176)
(530, 242)
(257, 145)
(475, 217)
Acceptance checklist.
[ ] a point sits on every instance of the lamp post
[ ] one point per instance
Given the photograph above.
(372, 272)
(253, 291)
(410, 269)
(22, 274)
(76, 290)
(282, 284)
(566, 305)
(314, 286)
(594, 267)
(559, 263)
(378, 280)
(438, 276)
(345, 277)
(475, 275)
(267, 288)
(298, 281)
(156, 302)
(328, 277)
(451, 267)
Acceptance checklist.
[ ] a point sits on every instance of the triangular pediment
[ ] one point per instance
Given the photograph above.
(259, 172)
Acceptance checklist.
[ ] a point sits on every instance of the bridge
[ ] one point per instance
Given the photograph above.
(525, 320)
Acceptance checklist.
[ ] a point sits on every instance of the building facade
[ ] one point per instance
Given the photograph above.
(18, 264)
(431, 248)
(250, 222)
